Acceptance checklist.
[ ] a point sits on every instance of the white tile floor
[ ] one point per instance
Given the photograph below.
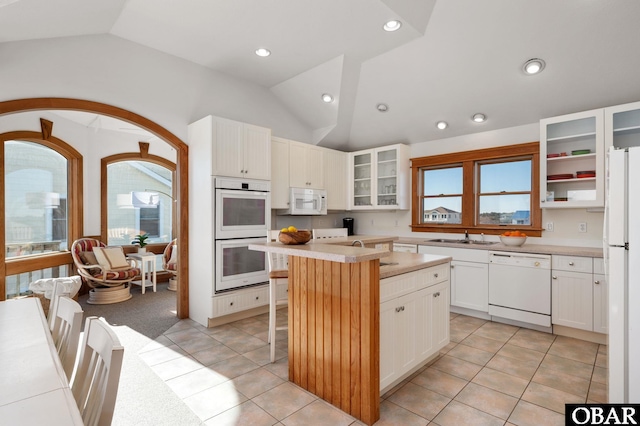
(490, 373)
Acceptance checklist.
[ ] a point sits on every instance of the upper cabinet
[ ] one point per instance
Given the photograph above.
(380, 178)
(335, 176)
(306, 166)
(572, 160)
(240, 149)
(279, 173)
(622, 125)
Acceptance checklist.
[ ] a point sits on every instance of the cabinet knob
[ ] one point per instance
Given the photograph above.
(597, 281)
(400, 309)
(257, 297)
(435, 275)
(231, 304)
(537, 264)
(570, 263)
(554, 277)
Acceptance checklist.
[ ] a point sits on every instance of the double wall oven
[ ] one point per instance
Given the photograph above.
(242, 217)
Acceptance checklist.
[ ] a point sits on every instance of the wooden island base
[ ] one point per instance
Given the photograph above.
(334, 333)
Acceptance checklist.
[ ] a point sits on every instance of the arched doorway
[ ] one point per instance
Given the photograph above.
(182, 169)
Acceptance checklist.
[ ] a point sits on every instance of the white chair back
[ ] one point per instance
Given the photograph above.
(95, 382)
(277, 261)
(329, 233)
(57, 291)
(65, 330)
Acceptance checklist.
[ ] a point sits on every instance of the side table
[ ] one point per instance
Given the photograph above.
(148, 278)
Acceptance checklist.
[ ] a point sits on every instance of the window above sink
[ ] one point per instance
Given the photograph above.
(486, 191)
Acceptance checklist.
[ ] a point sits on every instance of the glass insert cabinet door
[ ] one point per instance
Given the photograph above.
(387, 184)
(362, 184)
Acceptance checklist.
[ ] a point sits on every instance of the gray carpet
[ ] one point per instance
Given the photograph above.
(143, 398)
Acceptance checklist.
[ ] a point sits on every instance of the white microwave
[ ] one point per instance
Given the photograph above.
(303, 201)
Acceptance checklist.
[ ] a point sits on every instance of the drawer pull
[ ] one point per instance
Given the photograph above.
(400, 309)
(435, 275)
(570, 263)
(597, 281)
(436, 294)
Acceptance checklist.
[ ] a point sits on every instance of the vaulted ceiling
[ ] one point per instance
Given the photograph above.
(449, 60)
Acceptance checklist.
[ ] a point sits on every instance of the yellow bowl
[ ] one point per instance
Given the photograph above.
(512, 241)
(301, 236)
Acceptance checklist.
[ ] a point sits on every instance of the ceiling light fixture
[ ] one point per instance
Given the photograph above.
(382, 107)
(479, 117)
(442, 125)
(393, 25)
(262, 52)
(533, 66)
(327, 98)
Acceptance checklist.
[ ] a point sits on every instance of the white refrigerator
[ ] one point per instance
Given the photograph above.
(622, 256)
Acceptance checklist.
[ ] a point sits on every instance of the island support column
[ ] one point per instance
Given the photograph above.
(334, 333)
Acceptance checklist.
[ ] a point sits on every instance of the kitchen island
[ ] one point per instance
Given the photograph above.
(334, 319)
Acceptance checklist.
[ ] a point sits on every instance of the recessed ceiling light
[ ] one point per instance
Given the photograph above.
(479, 117)
(392, 25)
(263, 52)
(442, 125)
(533, 66)
(382, 107)
(327, 98)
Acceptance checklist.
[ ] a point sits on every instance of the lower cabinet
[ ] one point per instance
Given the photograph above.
(241, 300)
(470, 285)
(579, 293)
(413, 326)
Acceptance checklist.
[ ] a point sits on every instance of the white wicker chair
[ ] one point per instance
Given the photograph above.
(170, 263)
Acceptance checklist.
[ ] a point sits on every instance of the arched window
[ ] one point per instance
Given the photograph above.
(137, 198)
(41, 180)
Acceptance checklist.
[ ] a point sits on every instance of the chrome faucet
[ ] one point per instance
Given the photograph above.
(357, 241)
(466, 235)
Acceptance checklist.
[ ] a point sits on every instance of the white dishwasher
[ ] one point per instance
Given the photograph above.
(520, 287)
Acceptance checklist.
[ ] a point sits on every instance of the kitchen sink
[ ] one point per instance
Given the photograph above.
(452, 241)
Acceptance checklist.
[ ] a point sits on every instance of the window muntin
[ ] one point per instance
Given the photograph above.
(442, 195)
(124, 220)
(35, 193)
(505, 192)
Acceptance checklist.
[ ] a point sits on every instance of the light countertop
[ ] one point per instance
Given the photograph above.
(525, 248)
(409, 262)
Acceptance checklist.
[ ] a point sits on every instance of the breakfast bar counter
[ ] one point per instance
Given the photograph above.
(334, 319)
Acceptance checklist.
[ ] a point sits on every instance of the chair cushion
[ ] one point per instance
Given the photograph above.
(119, 275)
(111, 258)
(174, 255)
(279, 274)
(88, 258)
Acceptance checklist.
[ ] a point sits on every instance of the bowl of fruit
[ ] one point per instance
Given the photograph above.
(513, 238)
(292, 236)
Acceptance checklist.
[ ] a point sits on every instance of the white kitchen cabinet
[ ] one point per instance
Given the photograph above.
(335, 178)
(469, 277)
(579, 293)
(571, 147)
(240, 149)
(470, 285)
(380, 178)
(622, 125)
(572, 299)
(600, 298)
(414, 320)
(279, 173)
(306, 166)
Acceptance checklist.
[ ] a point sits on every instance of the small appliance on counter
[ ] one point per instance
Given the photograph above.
(347, 222)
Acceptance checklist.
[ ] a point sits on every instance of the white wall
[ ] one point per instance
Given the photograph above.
(565, 221)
